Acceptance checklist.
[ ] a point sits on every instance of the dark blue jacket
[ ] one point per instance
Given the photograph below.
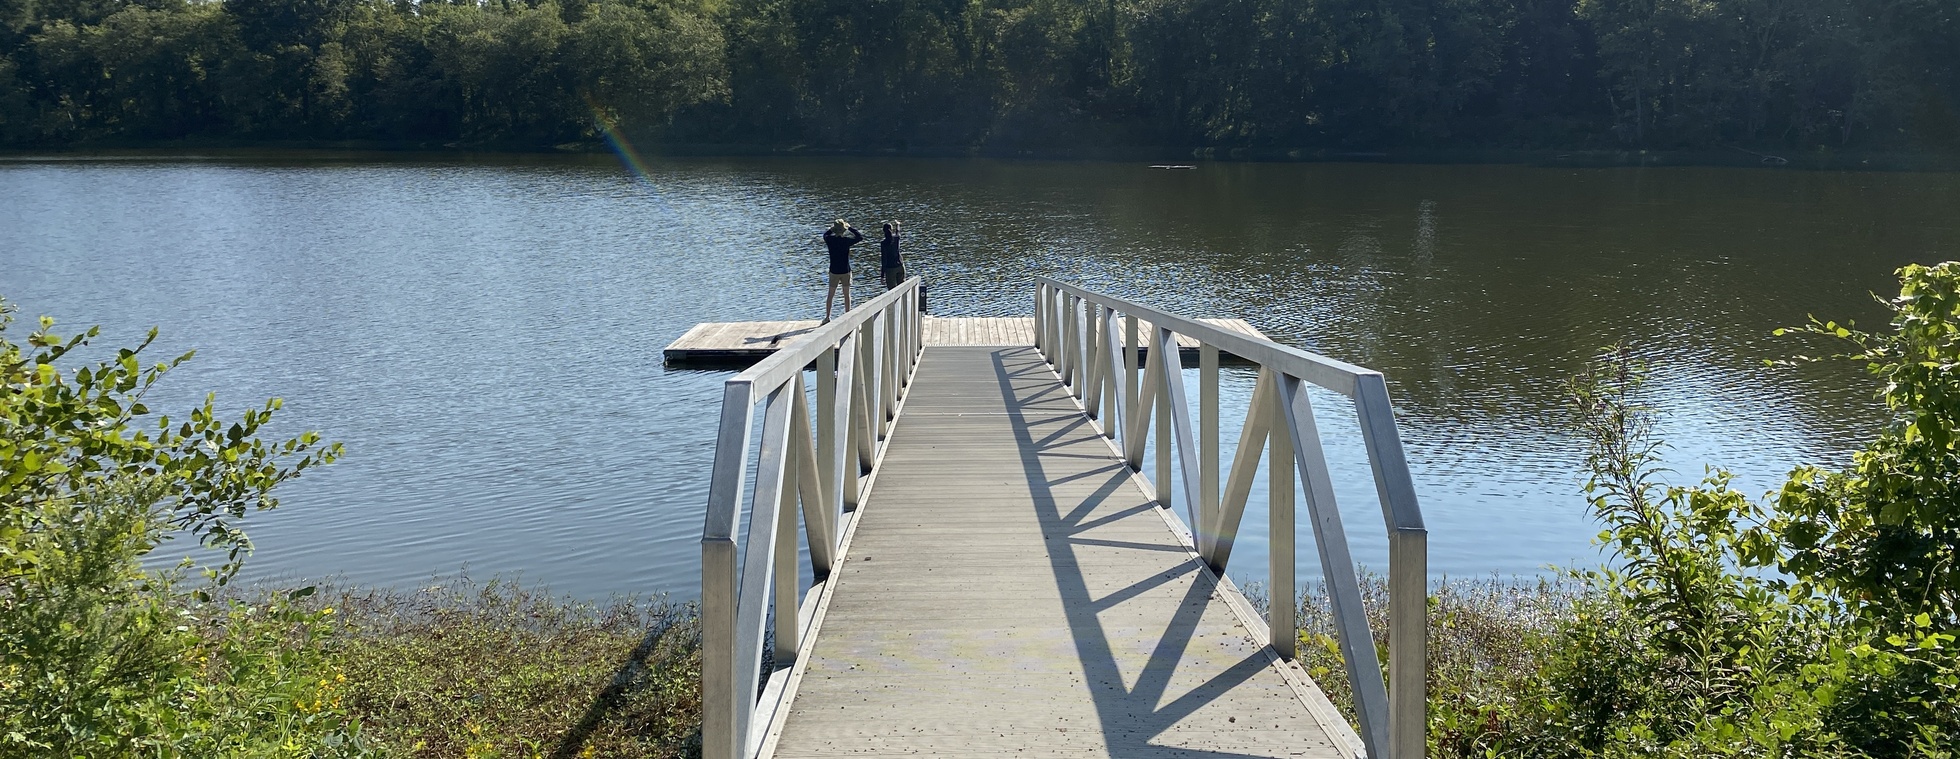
(840, 249)
(888, 252)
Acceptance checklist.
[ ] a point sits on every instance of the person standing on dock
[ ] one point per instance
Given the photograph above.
(839, 240)
(892, 265)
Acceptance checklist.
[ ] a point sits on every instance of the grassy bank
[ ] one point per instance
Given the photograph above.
(496, 669)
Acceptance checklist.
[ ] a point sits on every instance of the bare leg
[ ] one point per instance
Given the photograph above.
(847, 297)
(830, 297)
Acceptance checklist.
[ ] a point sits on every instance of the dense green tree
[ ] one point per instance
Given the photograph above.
(1268, 75)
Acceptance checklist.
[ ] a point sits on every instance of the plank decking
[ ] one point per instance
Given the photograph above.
(740, 343)
(1009, 589)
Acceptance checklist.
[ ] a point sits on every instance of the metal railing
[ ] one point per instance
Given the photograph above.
(864, 363)
(1077, 330)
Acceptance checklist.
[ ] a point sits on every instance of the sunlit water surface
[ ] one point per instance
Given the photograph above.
(484, 334)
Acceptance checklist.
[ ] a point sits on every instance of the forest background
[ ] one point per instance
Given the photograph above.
(1271, 78)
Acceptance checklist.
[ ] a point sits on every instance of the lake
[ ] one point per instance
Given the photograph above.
(484, 332)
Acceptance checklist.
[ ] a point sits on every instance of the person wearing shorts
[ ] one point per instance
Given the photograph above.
(889, 261)
(839, 240)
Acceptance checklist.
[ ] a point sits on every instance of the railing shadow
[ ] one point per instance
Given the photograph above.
(1130, 716)
(626, 678)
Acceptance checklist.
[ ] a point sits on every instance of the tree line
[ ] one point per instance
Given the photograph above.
(1264, 75)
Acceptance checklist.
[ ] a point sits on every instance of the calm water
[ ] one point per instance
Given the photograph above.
(485, 334)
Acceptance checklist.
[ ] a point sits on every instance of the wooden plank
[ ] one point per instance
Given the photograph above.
(1009, 588)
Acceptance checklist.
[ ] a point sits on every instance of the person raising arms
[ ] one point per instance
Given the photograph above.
(891, 264)
(839, 240)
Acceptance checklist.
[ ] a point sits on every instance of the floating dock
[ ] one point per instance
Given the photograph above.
(724, 344)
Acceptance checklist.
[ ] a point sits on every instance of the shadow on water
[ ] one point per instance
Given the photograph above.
(1130, 716)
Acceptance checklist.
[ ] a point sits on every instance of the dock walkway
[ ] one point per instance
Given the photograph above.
(1009, 537)
(1009, 587)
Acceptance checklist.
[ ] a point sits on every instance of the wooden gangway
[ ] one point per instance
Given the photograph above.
(994, 573)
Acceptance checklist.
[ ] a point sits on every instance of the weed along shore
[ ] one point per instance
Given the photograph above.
(479, 669)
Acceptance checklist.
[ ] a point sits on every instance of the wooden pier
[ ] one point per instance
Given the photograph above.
(729, 344)
(999, 571)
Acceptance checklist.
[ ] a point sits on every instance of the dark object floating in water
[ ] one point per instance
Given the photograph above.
(1172, 166)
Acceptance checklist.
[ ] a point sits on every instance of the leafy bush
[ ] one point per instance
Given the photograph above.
(1689, 647)
(1817, 622)
(100, 657)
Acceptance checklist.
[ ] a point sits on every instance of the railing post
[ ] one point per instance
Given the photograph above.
(721, 670)
(1163, 361)
(1086, 376)
(892, 351)
(1282, 595)
(1062, 342)
(842, 459)
(1071, 342)
(916, 343)
(1041, 318)
(1092, 389)
(1049, 325)
(881, 367)
(1408, 643)
(1083, 352)
(904, 327)
(1131, 363)
(874, 388)
(829, 476)
(1207, 435)
(1114, 412)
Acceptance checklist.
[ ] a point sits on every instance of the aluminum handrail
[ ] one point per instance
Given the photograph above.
(864, 361)
(1077, 331)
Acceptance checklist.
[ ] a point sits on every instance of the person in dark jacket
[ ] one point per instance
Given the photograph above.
(892, 265)
(839, 240)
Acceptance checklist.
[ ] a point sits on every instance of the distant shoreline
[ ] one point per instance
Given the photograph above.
(1575, 158)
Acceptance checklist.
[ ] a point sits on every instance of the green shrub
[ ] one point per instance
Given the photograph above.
(1817, 622)
(102, 658)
